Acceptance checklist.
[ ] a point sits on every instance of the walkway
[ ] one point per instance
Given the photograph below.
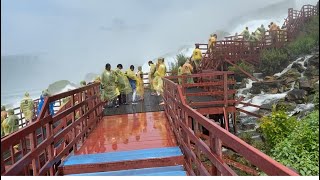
(129, 132)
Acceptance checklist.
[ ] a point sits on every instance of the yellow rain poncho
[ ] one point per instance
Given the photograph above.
(187, 70)
(258, 35)
(212, 41)
(10, 124)
(246, 34)
(3, 117)
(160, 72)
(123, 82)
(151, 75)
(140, 85)
(26, 106)
(110, 90)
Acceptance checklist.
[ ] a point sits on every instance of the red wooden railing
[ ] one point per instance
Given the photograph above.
(234, 48)
(42, 156)
(181, 117)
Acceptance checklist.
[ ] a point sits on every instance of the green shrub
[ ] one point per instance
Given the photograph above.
(239, 75)
(173, 66)
(316, 100)
(276, 127)
(273, 61)
(300, 150)
(302, 45)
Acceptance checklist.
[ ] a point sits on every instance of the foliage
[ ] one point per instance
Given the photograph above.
(276, 127)
(300, 150)
(243, 65)
(273, 60)
(180, 60)
(302, 45)
(307, 39)
(316, 100)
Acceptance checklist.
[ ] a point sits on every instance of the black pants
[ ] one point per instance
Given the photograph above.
(122, 98)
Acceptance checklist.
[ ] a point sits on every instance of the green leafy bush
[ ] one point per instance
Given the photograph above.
(239, 75)
(180, 59)
(302, 45)
(300, 150)
(273, 61)
(276, 127)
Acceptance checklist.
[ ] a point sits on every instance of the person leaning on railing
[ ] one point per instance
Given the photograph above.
(4, 115)
(45, 94)
(11, 123)
(27, 106)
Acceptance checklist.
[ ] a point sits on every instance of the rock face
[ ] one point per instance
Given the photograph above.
(298, 67)
(297, 95)
(305, 84)
(266, 86)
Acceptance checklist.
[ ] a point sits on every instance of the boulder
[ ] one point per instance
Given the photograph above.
(297, 95)
(292, 73)
(298, 67)
(312, 61)
(305, 85)
(265, 86)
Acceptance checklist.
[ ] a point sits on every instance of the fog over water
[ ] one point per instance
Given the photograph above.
(46, 41)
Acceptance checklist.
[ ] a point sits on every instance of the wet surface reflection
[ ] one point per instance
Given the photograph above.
(129, 132)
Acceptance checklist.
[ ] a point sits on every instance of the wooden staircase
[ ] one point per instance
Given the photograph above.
(162, 161)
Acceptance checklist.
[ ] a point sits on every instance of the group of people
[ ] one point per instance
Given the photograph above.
(10, 121)
(117, 85)
(258, 34)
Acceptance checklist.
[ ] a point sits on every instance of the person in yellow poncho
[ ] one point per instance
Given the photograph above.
(133, 82)
(159, 74)
(11, 123)
(151, 76)
(123, 85)
(109, 89)
(27, 107)
(197, 56)
(4, 115)
(187, 69)
(212, 41)
(140, 85)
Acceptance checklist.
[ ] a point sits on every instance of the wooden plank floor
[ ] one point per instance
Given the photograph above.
(150, 104)
(129, 132)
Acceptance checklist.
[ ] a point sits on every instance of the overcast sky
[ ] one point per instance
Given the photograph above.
(90, 33)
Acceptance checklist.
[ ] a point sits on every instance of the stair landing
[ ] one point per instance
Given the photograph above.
(129, 132)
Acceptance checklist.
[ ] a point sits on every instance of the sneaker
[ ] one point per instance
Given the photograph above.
(116, 106)
(153, 94)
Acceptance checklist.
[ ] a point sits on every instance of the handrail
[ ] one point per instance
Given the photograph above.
(181, 115)
(234, 50)
(44, 155)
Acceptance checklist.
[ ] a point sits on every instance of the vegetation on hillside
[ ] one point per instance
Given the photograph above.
(173, 66)
(275, 59)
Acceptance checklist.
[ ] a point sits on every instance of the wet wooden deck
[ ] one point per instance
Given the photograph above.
(150, 104)
(129, 132)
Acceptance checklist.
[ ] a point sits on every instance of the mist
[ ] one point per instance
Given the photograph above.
(69, 38)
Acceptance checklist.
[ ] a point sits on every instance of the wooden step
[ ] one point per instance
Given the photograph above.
(125, 160)
(158, 171)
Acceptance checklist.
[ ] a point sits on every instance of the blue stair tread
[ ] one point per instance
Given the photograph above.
(158, 171)
(123, 156)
